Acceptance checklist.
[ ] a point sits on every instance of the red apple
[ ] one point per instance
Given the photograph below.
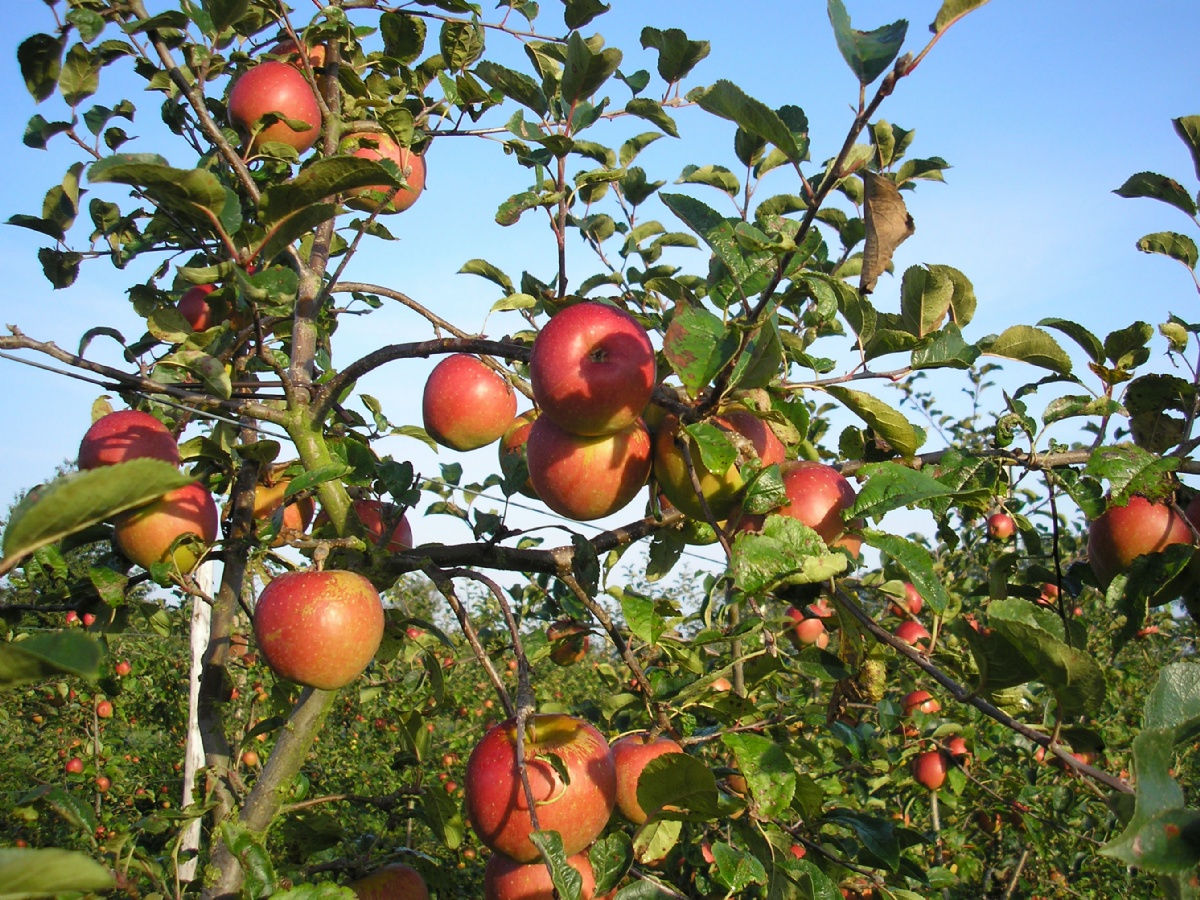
(123, 668)
(507, 879)
(297, 515)
(512, 444)
(568, 641)
(126, 434)
(103, 783)
(807, 631)
(395, 881)
(88, 619)
(920, 700)
(146, 534)
(466, 404)
(193, 306)
(287, 48)
(366, 145)
(630, 755)
(1123, 533)
(275, 87)
(851, 541)
(104, 709)
(374, 514)
(818, 495)
(1049, 595)
(912, 632)
(74, 765)
(586, 478)
(592, 369)
(1000, 526)
(578, 808)
(929, 768)
(913, 601)
(722, 685)
(250, 759)
(319, 629)
(721, 491)
(957, 748)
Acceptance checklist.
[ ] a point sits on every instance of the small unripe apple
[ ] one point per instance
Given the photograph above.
(124, 435)
(1000, 526)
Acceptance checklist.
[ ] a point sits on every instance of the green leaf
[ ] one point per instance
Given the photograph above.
(727, 100)
(768, 770)
(492, 273)
(48, 654)
(197, 193)
(887, 422)
(1158, 187)
(403, 36)
(916, 563)
(1130, 470)
(945, 349)
(80, 75)
(878, 836)
(1000, 664)
(250, 851)
(1028, 344)
(681, 782)
(567, 880)
(584, 71)
(652, 111)
(697, 345)
(318, 182)
(1174, 701)
(326, 890)
(1072, 674)
(925, 296)
(676, 54)
(512, 84)
(1089, 342)
(611, 856)
(1188, 129)
(643, 615)
(28, 872)
(83, 499)
(749, 274)
(1127, 347)
(1169, 243)
(224, 13)
(867, 53)
(891, 486)
(209, 369)
(785, 552)
(460, 42)
(40, 58)
(737, 869)
(951, 12)
(718, 177)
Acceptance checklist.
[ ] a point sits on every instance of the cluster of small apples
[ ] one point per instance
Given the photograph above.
(910, 630)
(930, 766)
(280, 88)
(146, 534)
(578, 806)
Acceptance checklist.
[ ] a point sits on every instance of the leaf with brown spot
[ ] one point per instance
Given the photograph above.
(888, 224)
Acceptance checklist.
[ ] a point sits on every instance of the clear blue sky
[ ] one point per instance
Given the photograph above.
(1041, 108)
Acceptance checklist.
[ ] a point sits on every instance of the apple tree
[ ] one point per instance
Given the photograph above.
(730, 361)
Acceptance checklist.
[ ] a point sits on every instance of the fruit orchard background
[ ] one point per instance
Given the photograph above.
(798, 779)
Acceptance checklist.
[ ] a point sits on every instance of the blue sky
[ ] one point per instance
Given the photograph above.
(1041, 108)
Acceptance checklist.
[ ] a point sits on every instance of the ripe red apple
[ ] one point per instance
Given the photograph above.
(465, 404)
(912, 632)
(1123, 533)
(104, 709)
(319, 629)
(123, 668)
(74, 765)
(373, 514)
(146, 534)
(275, 87)
(126, 434)
(586, 478)
(929, 768)
(807, 631)
(103, 783)
(592, 369)
(1000, 526)
(193, 306)
(630, 755)
(920, 700)
(568, 641)
(913, 601)
(507, 879)
(88, 619)
(250, 759)
(957, 748)
(818, 495)
(366, 145)
(297, 515)
(578, 809)
(395, 881)
(512, 444)
(721, 490)
(1049, 595)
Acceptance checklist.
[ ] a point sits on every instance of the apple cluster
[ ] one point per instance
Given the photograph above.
(146, 535)
(598, 778)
